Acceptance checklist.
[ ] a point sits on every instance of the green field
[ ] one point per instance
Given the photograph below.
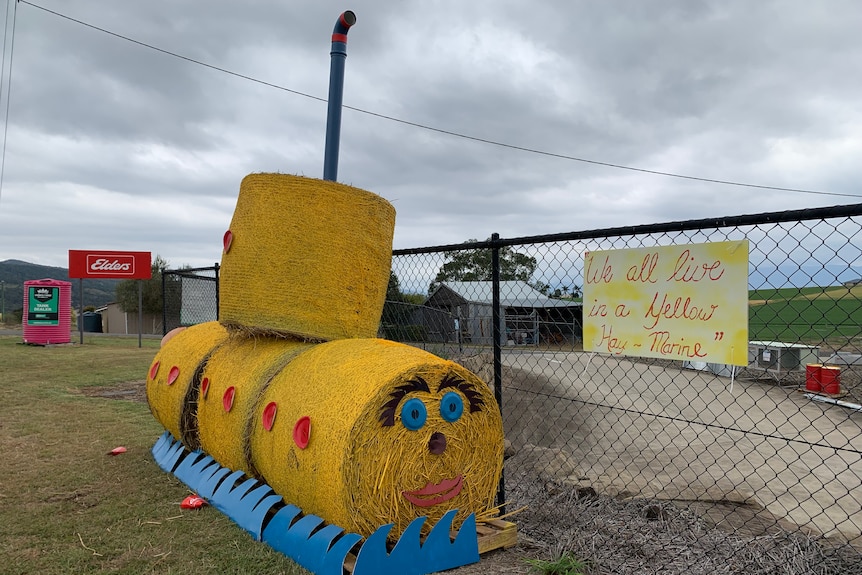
(815, 315)
(68, 506)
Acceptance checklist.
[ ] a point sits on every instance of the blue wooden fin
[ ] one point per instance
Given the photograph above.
(403, 557)
(275, 532)
(333, 563)
(300, 531)
(167, 452)
(320, 548)
(191, 468)
(373, 555)
(439, 554)
(313, 553)
(229, 488)
(246, 506)
(210, 478)
(162, 444)
(409, 557)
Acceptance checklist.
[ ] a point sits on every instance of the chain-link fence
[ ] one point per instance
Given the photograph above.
(190, 296)
(668, 466)
(642, 465)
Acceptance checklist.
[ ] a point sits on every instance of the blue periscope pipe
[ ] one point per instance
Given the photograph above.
(338, 55)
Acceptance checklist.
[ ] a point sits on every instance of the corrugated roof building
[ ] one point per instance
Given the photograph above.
(527, 316)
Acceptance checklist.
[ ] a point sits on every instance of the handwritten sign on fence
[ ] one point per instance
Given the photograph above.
(687, 302)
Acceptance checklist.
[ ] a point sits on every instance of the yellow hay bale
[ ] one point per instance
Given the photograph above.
(243, 365)
(362, 467)
(307, 258)
(174, 378)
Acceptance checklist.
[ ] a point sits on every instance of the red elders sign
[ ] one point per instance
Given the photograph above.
(110, 265)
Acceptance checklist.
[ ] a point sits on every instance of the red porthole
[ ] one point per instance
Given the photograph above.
(269, 415)
(154, 370)
(302, 432)
(227, 399)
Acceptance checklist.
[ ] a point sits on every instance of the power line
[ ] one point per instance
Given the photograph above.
(8, 87)
(598, 163)
(431, 128)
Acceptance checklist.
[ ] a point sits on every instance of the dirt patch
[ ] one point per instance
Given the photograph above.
(128, 390)
(512, 561)
(635, 536)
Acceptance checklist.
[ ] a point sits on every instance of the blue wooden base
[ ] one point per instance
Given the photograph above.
(320, 548)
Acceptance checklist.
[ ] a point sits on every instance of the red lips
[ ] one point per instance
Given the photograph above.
(435, 493)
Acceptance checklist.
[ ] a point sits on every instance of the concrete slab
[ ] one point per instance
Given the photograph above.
(667, 431)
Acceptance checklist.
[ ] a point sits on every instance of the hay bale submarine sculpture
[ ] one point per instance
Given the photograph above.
(290, 402)
(343, 451)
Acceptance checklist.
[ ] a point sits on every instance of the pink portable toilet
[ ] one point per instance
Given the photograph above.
(47, 311)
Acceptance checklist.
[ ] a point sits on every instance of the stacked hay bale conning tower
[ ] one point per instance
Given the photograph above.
(306, 258)
(292, 387)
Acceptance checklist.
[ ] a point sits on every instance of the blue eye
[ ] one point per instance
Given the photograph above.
(451, 407)
(413, 414)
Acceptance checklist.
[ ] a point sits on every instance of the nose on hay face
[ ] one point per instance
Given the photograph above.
(437, 443)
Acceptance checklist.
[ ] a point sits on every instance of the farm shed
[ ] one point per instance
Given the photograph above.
(528, 316)
(115, 320)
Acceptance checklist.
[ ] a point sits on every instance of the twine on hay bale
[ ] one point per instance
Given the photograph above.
(246, 364)
(355, 469)
(180, 362)
(307, 258)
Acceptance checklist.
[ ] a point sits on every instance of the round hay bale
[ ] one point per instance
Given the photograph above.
(369, 432)
(236, 373)
(173, 380)
(306, 258)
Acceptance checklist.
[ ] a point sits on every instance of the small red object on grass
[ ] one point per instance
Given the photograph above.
(193, 502)
(117, 451)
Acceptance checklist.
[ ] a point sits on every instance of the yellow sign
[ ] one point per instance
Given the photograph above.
(687, 302)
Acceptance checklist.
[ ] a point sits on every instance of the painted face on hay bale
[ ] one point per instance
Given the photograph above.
(436, 445)
(371, 432)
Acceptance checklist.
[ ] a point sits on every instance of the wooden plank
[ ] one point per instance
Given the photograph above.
(505, 535)
(492, 534)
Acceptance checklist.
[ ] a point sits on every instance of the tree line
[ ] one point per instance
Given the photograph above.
(463, 265)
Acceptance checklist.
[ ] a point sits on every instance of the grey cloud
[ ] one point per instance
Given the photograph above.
(761, 92)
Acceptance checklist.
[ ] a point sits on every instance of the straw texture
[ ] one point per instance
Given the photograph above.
(174, 404)
(308, 258)
(355, 468)
(246, 365)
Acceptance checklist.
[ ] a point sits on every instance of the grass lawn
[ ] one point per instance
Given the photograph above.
(807, 315)
(68, 506)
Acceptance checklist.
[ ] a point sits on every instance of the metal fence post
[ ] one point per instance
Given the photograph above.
(495, 330)
(141, 312)
(164, 305)
(216, 268)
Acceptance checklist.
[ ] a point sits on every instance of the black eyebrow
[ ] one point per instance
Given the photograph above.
(468, 389)
(387, 414)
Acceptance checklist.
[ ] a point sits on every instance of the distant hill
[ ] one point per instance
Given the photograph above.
(15, 272)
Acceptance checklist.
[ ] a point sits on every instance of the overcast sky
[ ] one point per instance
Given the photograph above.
(112, 145)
